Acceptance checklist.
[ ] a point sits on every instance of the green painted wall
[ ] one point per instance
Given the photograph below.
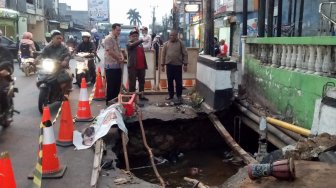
(287, 89)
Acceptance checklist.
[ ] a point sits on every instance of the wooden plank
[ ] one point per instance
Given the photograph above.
(99, 148)
(230, 141)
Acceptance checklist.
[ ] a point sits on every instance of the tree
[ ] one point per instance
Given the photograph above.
(134, 17)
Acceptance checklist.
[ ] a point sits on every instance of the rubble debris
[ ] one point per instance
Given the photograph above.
(310, 148)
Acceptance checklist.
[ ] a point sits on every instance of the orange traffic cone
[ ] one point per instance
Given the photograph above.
(188, 83)
(65, 133)
(51, 167)
(7, 179)
(163, 84)
(99, 93)
(84, 111)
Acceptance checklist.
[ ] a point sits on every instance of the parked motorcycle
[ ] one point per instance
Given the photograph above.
(7, 94)
(85, 68)
(48, 82)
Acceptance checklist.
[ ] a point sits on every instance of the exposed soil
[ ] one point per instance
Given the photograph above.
(310, 148)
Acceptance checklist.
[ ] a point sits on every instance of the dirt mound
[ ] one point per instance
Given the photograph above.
(310, 148)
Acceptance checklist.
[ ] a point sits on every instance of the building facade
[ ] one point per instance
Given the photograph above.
(8, 18)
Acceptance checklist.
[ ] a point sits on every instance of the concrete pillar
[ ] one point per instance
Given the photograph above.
(213, 82)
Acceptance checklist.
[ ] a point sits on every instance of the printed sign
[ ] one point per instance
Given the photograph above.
(98, 10)
(2, 3)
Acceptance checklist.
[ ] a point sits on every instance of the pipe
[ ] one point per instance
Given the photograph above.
(257, 112)
(151, 156)
(196, 183)
(288, 126)
(286, 139)
(270, 136)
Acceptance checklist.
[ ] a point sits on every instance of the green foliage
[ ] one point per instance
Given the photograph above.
(134, 17)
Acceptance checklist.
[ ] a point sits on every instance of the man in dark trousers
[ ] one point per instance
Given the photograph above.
(113, 61)
(175, 58)
(137, 64)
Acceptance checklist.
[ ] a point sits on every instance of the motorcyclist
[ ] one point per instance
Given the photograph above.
(57, 51)
(88, 47)
(6, 70)
(26, 46)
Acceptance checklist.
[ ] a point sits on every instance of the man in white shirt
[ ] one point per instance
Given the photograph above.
(147, 39)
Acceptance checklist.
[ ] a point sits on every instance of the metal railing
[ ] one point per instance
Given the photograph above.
(328, 18)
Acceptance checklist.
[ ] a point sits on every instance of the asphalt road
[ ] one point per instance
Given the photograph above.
(21, 139)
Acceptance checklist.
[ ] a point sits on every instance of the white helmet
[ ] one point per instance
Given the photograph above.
(55, 32)
(86, 34)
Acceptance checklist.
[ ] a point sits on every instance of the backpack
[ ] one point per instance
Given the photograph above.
(25, 50)
(96, 38)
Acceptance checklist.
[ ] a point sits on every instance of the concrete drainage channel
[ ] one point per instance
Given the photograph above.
(182, 148)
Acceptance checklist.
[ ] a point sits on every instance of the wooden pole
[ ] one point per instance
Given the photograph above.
(230, 141)
(124, 144)
(151, 156)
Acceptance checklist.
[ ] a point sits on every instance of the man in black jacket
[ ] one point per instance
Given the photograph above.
(137, 64)
(6, 69)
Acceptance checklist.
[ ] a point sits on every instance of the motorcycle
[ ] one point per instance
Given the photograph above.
(6, 113)
(48, 83)
(85, 69)
(28, 66)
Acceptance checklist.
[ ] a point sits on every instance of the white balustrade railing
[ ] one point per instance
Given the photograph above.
(312, 59)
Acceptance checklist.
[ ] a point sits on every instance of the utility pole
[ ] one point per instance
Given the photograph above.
(208, 27)
(153, 20)
(175, 16)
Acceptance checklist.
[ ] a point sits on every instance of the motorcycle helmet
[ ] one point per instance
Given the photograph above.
(27, 35)
(55, 32)
(86, 34)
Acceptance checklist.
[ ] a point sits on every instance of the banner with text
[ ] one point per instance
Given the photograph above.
(98, 10)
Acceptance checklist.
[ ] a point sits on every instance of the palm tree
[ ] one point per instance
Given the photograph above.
(134, 17)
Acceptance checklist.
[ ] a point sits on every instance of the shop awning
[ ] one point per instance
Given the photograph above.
(9, 13)
(54, 21)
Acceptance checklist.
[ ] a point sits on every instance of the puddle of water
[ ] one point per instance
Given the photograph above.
(213, 170)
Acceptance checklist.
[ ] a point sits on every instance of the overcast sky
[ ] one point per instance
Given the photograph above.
(119, 8)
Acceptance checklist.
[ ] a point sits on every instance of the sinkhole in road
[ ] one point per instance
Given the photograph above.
(184, 148)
